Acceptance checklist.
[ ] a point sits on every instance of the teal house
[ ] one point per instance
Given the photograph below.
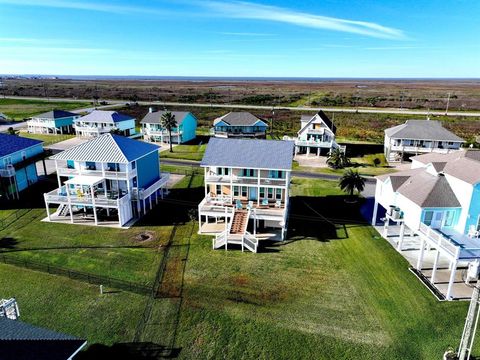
(239, 124)
(185, 130)
(52, 122)
(18, 156)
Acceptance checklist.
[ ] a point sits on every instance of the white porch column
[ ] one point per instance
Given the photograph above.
(452, 279)
(46, 205)
(69, 202)
(375, 211)
(435, 265)
(385, 227)
(205, 181)
(93, 202)
(402, 234)
(308, 150)
(258, 188)
(318, 151)
(420, 256)
(58, 176)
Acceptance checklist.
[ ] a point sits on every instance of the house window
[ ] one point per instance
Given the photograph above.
(278, 194)
(428, 217)
(90, 165)
(449, 216)
(270, 193)
(235, 191)
(248, 172)
(244, 191)
(219, 189)
(70, 164)
(134, 165)
(222, 171)
(262, 192)
(7, 161)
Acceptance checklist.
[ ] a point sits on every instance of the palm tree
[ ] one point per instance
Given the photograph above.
(337, 159)
(168, 122)
(12, 131)
(351, 181)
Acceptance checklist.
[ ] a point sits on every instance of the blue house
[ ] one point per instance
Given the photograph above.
(153, 131)
(109, 180)
(239, 124)
(18, 156)
(52, 122)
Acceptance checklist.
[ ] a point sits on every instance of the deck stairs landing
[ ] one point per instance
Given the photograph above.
(237, 233)
(63, 210)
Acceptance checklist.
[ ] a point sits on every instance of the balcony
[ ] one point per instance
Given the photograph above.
(317, 144)
(140, 194)
(8, 172)
(93, 130)
(224, 206)
(242, 180)
(160, 132)
(230, 134)
(110, 199)
(111, 175)
(452, 243)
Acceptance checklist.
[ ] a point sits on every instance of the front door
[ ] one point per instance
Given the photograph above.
(252, 194)
(437, 220)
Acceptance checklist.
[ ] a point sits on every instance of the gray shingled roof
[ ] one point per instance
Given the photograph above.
(55, 114)
(22, 341)
(156, 117)
(18, 330)
(252, 154)
(107, 148)
(427, 190)
(240, 118)
(422, 130)
(463, 165)
(103, 116)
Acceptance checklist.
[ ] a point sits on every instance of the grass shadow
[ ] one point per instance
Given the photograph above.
(130, 351)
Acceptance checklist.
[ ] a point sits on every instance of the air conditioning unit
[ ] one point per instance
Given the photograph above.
(473, 271)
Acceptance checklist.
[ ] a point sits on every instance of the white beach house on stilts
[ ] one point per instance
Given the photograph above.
(247, 184)
(432, 216)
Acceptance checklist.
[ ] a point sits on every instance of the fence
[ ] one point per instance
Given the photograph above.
(17, 214)
(80, 276)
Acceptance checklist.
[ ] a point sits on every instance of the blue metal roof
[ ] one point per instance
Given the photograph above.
(108, 148)
(18, 330)
(242, 153)
(10, 144)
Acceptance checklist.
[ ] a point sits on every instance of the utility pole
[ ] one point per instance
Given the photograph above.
(471, 323)
(448, 103)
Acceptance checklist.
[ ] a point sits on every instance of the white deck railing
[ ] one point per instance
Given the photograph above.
(8, 172)
(244, 180)
(114, 175)
(439, 239)
(60, 196)
(145, 193)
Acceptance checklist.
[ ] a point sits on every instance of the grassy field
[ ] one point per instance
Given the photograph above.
(18, 109)
(47, 139)
(185, 152)
(72, 307)
(333, 290)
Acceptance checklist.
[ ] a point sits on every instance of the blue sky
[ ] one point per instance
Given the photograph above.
(312, 38)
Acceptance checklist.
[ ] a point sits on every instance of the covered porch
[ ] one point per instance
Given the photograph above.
(439, 258)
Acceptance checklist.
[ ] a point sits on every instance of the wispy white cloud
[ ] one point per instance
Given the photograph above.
(393, 48)
(247, 34)
(249, 10)
(87, 5)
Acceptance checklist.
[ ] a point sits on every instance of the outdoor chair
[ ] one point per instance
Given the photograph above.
(278, 204)
(238, 204)
(250, 205)
(473, 232)
(265, 202)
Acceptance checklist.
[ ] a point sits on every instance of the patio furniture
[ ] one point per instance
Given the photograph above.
(250, 205)
(473, 232)
(265, 202)
(238, 204)
(278, 204)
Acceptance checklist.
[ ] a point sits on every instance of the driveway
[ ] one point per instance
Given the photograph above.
(66, 144)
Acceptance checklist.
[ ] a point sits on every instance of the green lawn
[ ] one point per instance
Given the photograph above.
(185, 152)
(334, 290)
(47, 139)
(18, 109)
(103, 251)
(359, 165)
(72, 307)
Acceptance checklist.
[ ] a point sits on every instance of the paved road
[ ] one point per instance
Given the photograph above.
(114, 103)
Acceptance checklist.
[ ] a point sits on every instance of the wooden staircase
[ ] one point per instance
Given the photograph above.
(239, 222)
